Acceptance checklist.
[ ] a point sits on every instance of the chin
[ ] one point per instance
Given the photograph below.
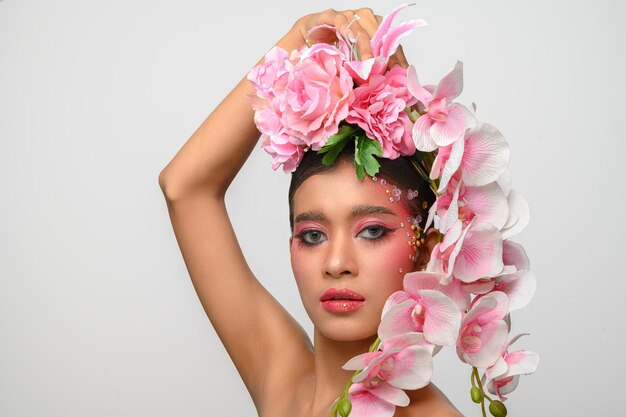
(346, 337)
(346, 329)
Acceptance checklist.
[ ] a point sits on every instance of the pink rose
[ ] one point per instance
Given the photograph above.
(283, 152)
(317, 96)
(378, 109)
(270, 77)
(276, 141)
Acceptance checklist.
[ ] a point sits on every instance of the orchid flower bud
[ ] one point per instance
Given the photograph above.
(497, 409)
(344, 407)
(477, 395)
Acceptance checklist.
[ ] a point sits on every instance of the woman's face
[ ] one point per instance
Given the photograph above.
(348, 235)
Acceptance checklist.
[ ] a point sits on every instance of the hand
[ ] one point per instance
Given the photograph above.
(362, 30)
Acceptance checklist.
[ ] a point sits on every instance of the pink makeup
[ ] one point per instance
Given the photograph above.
(341, 306)
(342, 300)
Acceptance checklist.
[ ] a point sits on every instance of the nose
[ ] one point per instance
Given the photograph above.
(341, 259)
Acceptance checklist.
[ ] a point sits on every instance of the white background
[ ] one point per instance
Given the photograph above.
(97, 314)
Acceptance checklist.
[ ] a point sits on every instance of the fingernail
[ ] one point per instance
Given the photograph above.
(351, 37)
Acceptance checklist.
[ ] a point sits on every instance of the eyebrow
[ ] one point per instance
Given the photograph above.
(357, 211)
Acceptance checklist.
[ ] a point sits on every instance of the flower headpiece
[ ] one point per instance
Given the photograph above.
(321, 96)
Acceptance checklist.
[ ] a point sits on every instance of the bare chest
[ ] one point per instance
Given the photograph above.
(295, 401)
(294, 404)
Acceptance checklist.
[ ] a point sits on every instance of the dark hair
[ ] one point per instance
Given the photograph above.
(400, 172)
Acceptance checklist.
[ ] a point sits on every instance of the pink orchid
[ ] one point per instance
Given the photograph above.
(468, 253)
(376, 400)
(519, 211)
(423, 306)
(405, 362)
(379, 109)
(443, 122)
(483, 331)
(514, 254)
(383, 45)
(519, 215)
(481, 155)
(502, 378)
(520, 284)
(486, 202)
(480, 286)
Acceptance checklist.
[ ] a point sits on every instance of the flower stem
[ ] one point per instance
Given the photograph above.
(344, 394)
(480, 386)
(374, 346)
(482, 408)
(472, 377)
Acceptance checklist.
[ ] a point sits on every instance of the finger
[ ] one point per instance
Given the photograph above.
(306, 23)
(362, 42)
(356, 32)
(341, 23)
(329, 17)
(367, 21)
(401, 57)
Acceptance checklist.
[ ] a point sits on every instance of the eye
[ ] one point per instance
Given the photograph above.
(374, 232)
(311, 237)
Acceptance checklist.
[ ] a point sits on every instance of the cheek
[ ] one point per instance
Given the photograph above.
(392, 259)
(302, 263)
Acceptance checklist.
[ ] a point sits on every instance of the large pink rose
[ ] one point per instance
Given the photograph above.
(378, 109)
(317, 96)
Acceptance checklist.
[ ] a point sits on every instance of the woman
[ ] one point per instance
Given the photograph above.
(347, 235)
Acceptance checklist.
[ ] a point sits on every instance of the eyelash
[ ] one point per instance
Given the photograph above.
(385, 231)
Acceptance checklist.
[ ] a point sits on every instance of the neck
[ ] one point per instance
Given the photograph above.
(330, 379)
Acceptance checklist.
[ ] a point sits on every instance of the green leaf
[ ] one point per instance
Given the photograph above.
(335, 144)
(366, 150)
(360, 171)
(342, 134)
(333, 152)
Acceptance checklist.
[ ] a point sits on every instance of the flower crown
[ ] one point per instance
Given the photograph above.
(322, 95)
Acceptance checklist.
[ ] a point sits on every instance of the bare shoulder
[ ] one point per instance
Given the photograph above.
(429, 401)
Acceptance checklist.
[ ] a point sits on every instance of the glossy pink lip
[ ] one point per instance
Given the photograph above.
(341, 294)
(342, 306)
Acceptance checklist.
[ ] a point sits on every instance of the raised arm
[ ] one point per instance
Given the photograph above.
(198, 168)
(265, 343)
(210, 159)
(251, 324)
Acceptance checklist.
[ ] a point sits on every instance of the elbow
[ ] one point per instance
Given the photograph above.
(175, 190)
(165, 184)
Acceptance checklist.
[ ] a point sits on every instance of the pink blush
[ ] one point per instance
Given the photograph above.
(396, 256)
